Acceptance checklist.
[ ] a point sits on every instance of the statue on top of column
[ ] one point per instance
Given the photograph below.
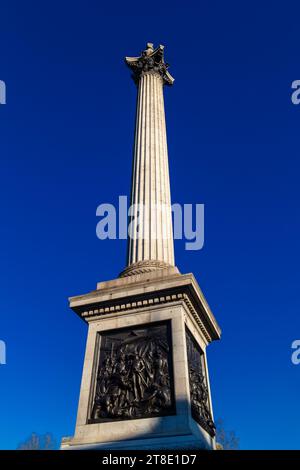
(150, 60)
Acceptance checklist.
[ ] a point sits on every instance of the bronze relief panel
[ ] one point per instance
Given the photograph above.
(198, 385)
(134, 376)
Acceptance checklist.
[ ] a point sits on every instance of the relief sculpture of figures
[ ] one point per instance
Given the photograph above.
(134, 375)
(198, 386)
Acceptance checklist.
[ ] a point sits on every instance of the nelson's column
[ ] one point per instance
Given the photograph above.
(145, 380)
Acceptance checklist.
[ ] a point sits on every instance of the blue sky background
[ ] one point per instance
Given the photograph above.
(66, 137)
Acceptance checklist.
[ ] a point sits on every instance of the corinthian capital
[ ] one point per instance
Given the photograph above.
(150, 60)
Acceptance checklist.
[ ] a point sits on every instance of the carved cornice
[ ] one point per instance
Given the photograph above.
(123, 305)
(150, 60)
(123, 295)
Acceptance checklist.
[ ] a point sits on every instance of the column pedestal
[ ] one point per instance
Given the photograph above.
(145, 382)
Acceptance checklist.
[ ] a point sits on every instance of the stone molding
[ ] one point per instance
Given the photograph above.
(142, 267)
(125, 307)
(89, 307)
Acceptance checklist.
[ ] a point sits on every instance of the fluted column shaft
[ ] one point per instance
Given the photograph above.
(151, 237)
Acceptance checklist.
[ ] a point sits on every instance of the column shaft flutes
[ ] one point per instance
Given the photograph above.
(150, 241)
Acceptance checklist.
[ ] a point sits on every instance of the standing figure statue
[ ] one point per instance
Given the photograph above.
(139, 382)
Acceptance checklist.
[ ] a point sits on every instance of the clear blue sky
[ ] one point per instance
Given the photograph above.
(66, 136)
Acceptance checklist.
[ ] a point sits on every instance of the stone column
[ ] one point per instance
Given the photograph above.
(150, 241)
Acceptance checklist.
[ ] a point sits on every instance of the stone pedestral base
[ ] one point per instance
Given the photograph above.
(134, 308)
(175, 442)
